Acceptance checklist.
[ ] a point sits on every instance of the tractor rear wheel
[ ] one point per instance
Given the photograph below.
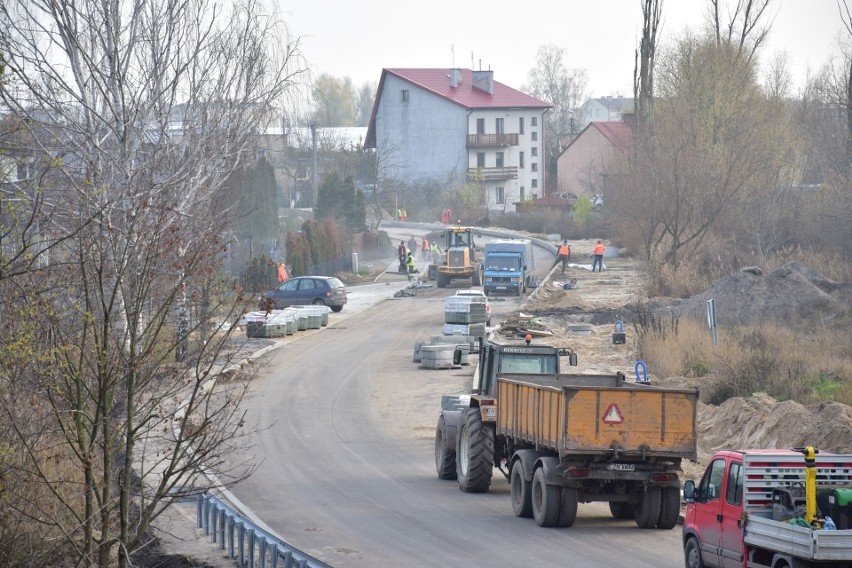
(476, 279)
(442, 280)
(474, 453)
(445, 456)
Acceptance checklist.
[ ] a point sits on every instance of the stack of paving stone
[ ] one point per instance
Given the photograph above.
(465, 315)
(277, 323)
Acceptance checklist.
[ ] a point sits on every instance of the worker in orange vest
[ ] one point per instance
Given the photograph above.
(563, 255)
(599, 251)
(424, 249)
(282, 273)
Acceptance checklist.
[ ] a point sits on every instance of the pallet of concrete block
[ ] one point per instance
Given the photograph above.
(464, 310)
(474, 330)
(437, 356)
(317, 315)
(276, 323)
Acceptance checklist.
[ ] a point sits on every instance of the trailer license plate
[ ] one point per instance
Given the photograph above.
(621, 467)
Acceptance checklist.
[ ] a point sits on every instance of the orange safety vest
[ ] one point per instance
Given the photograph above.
(564, 250)
(599, 249)
(282, 273)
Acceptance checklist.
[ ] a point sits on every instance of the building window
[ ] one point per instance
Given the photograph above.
(499, 163)
(533, 136)
(521, 125)
(499, 196)
(405, 95)
(498, 126)
(521, 160)
(535, 183)
(534, 121)
(480, 159)
(480, 126)
(534, 166)
(534, 151)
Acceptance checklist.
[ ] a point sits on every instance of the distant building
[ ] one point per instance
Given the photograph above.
(585, 164)
(456, 124)
(602, 109)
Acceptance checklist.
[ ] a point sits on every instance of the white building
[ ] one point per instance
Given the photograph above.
(452, 124)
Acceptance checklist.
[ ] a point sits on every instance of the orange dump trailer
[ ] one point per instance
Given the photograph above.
(570, 439)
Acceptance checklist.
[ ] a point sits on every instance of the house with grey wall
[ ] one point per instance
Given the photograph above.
(459, 124)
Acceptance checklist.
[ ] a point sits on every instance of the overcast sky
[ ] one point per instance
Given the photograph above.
(359, 38)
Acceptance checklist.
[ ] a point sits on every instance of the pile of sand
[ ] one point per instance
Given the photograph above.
(789, 293)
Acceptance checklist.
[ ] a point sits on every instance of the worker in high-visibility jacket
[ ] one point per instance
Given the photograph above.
(410, 262)
(563, 255)
(282, 273)
(598, 251)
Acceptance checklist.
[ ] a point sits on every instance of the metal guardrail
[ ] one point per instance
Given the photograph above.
(247, 544)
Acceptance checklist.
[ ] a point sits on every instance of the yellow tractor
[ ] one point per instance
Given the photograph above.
(458, 259)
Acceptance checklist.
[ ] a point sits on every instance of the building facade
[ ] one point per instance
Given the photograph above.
(457, 124)
(585, 164)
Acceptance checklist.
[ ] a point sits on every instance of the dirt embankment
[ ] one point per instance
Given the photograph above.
(583, 318)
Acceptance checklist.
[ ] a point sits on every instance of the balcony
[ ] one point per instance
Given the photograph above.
(492, 174)
(491, 140)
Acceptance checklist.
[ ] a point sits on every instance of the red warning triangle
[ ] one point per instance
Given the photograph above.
(613, 415)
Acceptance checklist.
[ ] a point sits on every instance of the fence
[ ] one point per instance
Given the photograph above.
(247, 543)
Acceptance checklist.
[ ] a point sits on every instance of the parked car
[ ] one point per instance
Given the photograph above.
(304, 290)
(478, 294)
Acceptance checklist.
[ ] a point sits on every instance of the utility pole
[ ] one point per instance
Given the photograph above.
(314, 153)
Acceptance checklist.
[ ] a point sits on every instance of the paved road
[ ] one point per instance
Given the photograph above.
(348, 471)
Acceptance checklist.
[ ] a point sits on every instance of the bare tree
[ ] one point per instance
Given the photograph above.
(143, 110)
(564, 88)
(643, 72)
(846, 16)
(716, 139)
(743, 26)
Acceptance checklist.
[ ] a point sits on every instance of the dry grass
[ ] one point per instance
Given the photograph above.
(789, 364)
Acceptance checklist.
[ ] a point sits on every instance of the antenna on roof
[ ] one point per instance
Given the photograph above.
(453, 55)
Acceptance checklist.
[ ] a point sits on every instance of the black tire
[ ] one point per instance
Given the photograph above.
(445, 456)
(336, 309)
(669, 508)
(318, 302)
(474, 453)
(647, 513)
(545, 500)
(521, 492)
(442, 281)
(692, 554)
(476, 279)
(568, 498)
(620, 510)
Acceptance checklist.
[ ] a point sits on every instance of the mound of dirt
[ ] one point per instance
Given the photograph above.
(789, 293)
(763, 422)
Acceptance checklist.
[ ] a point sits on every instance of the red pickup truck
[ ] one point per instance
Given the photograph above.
(738, 515)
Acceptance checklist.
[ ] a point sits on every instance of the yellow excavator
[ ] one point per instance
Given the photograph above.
(459, 257)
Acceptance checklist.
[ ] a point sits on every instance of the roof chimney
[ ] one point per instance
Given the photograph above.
(484, 81)
(455, 77)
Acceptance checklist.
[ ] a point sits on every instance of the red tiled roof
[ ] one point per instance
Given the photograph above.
(619, 133)
(437, 81)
